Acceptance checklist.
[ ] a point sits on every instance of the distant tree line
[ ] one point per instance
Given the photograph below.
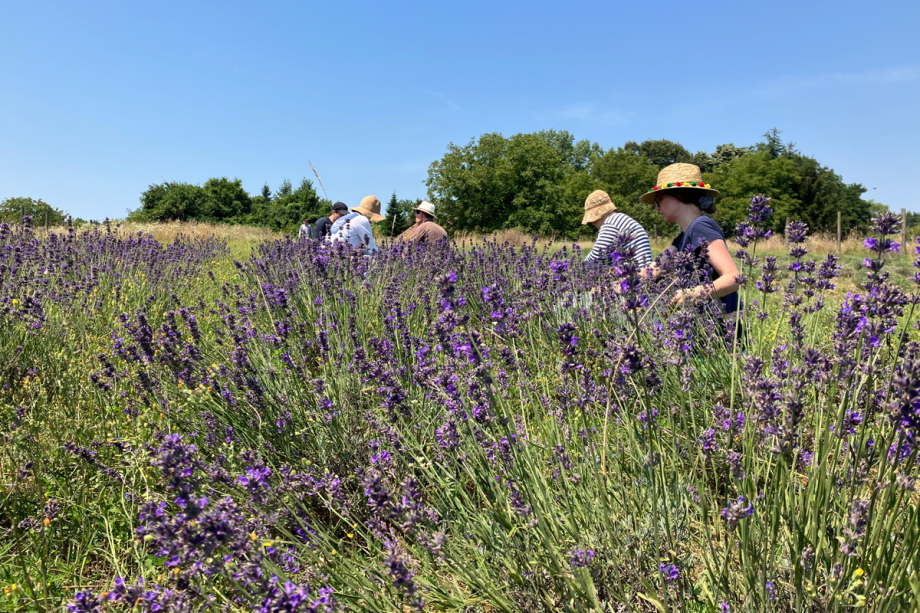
(539, 182)
(223, 200)
(535, 181)
(12, 210)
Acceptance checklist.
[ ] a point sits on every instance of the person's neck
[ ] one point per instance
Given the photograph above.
(687, 216)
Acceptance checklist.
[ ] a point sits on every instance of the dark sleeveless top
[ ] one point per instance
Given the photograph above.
(703, 227)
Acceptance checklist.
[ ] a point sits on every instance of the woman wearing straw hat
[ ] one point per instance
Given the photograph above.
(683, 198)
(425, 229)
(355, 228)
(601, 213)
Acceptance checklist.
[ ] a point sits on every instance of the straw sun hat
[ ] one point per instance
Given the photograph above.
(678, 176)
(370, 208)
(425, 207)
(597, 205)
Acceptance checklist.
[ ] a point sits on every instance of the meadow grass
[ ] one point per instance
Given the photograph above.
(226, 419)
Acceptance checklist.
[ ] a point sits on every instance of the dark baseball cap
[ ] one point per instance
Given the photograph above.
(341, 207)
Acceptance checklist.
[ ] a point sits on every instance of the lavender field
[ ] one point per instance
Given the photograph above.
(453, 428)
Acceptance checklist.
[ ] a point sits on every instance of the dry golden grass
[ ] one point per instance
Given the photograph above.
(166, 232)
(241, 239)
(819, 243)
(248, 236)
(518, 238)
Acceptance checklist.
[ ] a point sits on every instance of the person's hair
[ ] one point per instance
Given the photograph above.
(427, 216)
(689, 195)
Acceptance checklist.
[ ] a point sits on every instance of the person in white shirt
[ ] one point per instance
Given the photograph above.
(355, 228)
(304, 230)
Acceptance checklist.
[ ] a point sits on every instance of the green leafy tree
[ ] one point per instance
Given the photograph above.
(877, 208)
(727, 152)
(470, 185)
(169, 202)
(286, 189)
(625, 175)
(13, 209)
(758, 173)
(578, 155)
(773, 144)
(536, 189)
(287, 210)
(497, 182)
(801, 188)
(266, 193)
(664, 152)
(224, 200)
(539, 181)
(703, 160)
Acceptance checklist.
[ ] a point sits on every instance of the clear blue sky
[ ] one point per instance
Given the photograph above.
(100, 99)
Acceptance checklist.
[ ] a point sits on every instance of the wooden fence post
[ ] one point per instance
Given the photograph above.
(904, 231)
(786, 231)
(46, 221)
(839, 230)
(22, 213)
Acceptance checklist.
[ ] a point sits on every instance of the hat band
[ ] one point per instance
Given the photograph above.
(681, 184)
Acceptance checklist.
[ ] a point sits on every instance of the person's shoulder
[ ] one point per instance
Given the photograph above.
(624, 221)
(632, 222)
(707, 223)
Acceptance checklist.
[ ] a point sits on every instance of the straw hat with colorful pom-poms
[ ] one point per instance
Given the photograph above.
(679, 176)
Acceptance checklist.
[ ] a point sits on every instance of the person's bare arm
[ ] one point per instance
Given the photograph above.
(723, 285)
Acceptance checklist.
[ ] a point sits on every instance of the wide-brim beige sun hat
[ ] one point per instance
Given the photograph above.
(678, 176)
(597, 205)
(370, 208)
(425, 207)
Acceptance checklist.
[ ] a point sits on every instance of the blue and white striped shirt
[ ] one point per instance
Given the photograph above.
(620, 224)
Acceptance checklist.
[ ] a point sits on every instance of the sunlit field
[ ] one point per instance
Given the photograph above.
(217, 418)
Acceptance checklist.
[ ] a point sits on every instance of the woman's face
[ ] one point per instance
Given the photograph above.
(668, 206)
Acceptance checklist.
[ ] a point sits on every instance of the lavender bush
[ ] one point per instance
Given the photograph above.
(452, 428)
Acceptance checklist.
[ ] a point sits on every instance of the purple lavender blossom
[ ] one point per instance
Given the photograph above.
(736, 511)
(579, 558)
(670, 572)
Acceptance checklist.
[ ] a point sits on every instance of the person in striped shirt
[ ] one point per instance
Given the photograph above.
(601, 213)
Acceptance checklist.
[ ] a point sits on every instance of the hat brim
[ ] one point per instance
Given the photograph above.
(369, 214)
(598, 212)
(649, 197)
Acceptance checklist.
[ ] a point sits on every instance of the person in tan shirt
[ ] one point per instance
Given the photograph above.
(425, 229)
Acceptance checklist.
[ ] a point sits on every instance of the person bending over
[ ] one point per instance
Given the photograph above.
(324, 224)
(355, 228)
(601, 213)
(683, 198)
